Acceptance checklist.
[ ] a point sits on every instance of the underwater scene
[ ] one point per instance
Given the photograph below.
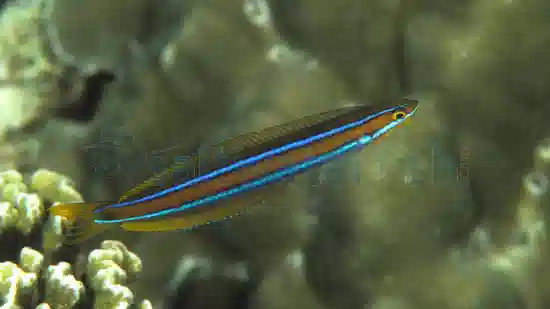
(274, 154)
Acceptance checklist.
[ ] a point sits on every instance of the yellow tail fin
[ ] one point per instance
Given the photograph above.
(80, 217)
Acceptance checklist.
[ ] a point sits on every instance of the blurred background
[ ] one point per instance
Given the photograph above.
(450, 211)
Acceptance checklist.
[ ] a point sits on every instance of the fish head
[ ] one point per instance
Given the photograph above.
(387, 118)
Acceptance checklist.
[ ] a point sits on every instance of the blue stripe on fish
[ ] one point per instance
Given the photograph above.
(267, 179)
(251, 160)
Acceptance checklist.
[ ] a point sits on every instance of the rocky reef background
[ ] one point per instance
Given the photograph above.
(451, 211)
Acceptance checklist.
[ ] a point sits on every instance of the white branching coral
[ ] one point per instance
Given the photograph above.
(63, 290)
(23, 209)
(109, 268)
(14, 284)
(28, 77)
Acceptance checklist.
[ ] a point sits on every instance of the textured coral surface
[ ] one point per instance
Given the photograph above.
(38, 271)
(450, 211)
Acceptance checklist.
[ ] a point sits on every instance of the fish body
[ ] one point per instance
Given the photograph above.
(228, 178)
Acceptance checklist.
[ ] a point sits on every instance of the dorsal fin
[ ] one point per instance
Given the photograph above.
(243, 141)
(183, 165)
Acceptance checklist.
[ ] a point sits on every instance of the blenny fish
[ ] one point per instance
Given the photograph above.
(228, 178)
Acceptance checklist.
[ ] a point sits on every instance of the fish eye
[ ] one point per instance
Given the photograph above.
(398, 115)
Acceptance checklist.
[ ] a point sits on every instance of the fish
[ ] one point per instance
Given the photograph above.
(228, 178)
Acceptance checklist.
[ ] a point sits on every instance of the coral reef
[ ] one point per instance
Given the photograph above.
(28, 78)
(492, 93)
(86, 46)
(429, 212)
(34, 86)
(180, 90)
(37, 271)
(450, 212)
(287, 279)
(345, 46)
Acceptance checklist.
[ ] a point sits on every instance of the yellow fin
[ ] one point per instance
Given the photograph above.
(79, 232)
(172, 224)
(80, 218)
